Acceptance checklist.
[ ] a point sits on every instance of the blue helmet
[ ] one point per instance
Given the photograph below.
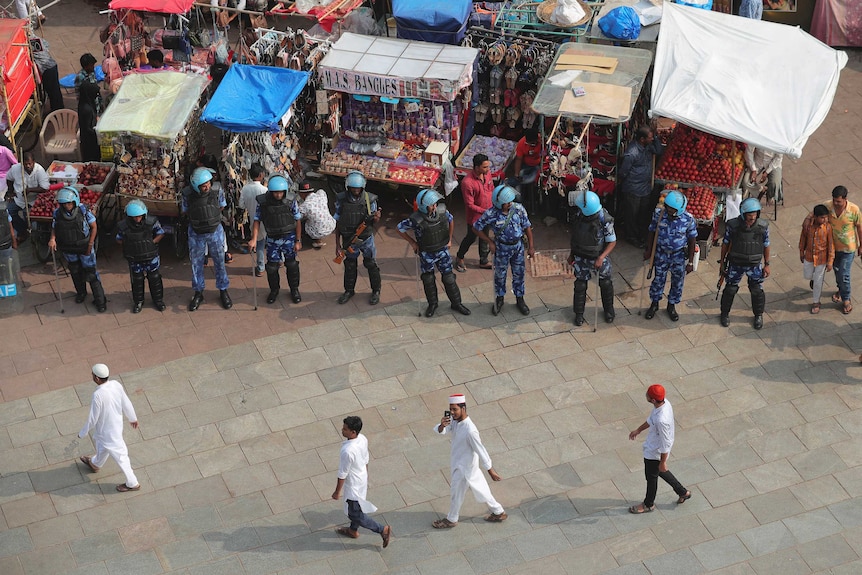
(503, 194)
(588, 202)
(749, 205)
(355, 179)
(199, 177)
(676, 200)
(277, 183)
(136, 208)
(427, 198)
(67, 195)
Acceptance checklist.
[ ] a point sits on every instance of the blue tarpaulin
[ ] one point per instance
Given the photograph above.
(439, 21)
(254, 98)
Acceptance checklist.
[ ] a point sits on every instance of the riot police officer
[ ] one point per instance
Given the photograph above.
(206, 235)
(510, 223)
(593, 239)
(353, 208)
(140, 234)
(674, 251)
(279, 212)
(432, 226)
(745, 248)
(74, 234)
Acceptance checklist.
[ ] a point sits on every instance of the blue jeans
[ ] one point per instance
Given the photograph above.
(842, 264)
(358, 518)
(260, 254)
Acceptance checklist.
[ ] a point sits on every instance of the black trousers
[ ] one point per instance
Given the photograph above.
(652, 474)
(51, 85)
(638, 212)
(469, 239)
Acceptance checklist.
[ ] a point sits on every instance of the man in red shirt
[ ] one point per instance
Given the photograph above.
(476, 187)
(528, 156)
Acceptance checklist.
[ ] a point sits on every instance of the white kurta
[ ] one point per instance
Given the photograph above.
(109, 404)
(467, 453)
(353, 469)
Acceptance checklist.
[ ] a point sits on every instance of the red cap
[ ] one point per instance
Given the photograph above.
(655, 392)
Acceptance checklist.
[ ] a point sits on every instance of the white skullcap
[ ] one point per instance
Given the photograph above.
(457, 399)
(100, 370)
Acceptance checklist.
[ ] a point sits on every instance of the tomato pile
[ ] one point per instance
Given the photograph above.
(700, 158)
(46, 202)
(93, 174)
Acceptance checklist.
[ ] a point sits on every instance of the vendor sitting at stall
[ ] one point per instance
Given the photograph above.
(528, 157)
(314, 207)
(155, 61)
(280, 215)
(24, 181)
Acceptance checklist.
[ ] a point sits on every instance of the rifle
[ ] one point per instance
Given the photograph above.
(721, 273)
(349, 248)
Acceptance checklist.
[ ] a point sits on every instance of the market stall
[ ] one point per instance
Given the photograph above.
(402, 107)
(153, 125)
(438, 21)
(593, 92)
(20, 105)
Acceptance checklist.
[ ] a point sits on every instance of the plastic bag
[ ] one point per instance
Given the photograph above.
(567, 12)
(621, 23)
(361, 21)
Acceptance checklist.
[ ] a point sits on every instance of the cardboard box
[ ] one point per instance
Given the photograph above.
(437, 153)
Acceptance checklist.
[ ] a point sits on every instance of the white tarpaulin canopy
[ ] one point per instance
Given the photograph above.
(766, 84)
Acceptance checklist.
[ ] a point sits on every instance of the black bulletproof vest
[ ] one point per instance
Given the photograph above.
(277, 217)
(588, 237)
(353, 212)
(746, 244)
(69, 231)
(138, 242)
(204, 211)
(435, 231)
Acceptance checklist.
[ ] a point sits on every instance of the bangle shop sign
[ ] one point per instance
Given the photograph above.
(380, 85)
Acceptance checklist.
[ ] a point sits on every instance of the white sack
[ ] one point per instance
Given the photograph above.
(766, 84)
(567, 12)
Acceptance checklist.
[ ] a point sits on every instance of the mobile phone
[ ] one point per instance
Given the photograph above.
(447, 414)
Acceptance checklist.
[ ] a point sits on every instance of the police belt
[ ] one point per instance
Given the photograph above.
(515, 243)
(671, 252)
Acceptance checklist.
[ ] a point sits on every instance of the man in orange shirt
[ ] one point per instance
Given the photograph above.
(476, 187)
(846, 223)
(816, 250)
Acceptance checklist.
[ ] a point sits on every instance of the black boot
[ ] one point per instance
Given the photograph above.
(99, 299)
(374, 279)
(671, 311)
(76, 270)
(522, 305)
(579, 301)
(137, 280)
(453, 292)
(758, 305)
(157, 289)
(350, 272)
(226, 302)
(650, 312)
(498, 305)
(429, 284)
(607, 287)
(292, 271)
(727, 302)
(197, 300)
(273, 281)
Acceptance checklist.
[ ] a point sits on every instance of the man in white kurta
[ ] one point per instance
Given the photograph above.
(467, 453)
(353, 479)
(109, 404)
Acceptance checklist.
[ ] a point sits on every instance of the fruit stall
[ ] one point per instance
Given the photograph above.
(402, 107)
(592, 91)
(42, 214)
(153, 125)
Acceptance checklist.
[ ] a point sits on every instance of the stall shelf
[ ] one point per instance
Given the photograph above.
(500, 153)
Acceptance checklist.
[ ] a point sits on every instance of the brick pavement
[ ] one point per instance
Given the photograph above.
(238, 442)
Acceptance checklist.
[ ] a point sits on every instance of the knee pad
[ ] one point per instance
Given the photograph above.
(448, 279)
(731, 289)
(369, 264)
(90, 275)
(291, 266)
(271, 267)
(580, 286)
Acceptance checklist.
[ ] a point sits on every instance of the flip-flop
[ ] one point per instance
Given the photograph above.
(836, 297)
(486, 266)
(683, 498)
(638, 509)
(848, 307)
(460, 267)
(443, 524)
(815, 308)
(497, 517)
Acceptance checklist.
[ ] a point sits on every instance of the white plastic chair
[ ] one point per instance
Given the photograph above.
(62, 129)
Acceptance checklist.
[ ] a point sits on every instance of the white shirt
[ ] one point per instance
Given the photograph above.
(247, 196)
(353, 469)
(659, 437)
(467, 448)
(759, 159)
(318, 222)
(38, 178)
(110, 403)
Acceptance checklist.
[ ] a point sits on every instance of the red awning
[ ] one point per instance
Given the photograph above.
(163, 6)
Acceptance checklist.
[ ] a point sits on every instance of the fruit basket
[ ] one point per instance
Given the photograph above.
(695, 158)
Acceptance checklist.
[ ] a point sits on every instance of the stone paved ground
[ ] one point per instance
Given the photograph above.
(238, 442)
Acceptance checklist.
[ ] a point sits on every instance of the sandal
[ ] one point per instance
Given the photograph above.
(683, 498)
(848, 307)
(497, 517)
(443, 524)
(347, 532)
(87, 460)
(228, 258)
(638, 509)
(460, 267)
(836, 297)
(122, 488)
(815, 308)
